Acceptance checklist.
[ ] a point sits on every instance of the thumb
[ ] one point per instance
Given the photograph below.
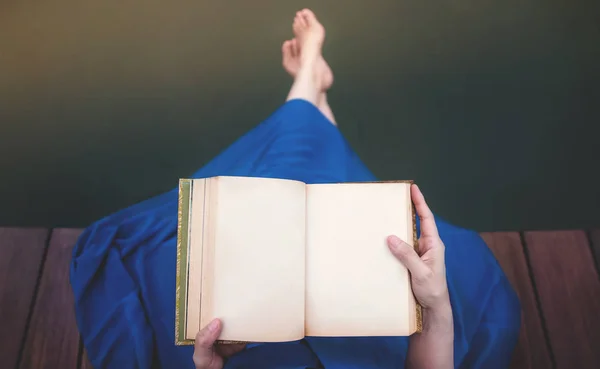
(409, 257)
(205, 339)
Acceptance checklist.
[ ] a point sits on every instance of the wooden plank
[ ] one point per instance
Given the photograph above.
(595, 238)
(532, 350)
(569, 292)
(52, 339)
(21, 252)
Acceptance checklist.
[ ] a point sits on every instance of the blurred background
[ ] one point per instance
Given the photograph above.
(491, 106)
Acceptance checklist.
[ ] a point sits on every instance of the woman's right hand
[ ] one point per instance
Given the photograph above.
(434, 346)
(427, 268)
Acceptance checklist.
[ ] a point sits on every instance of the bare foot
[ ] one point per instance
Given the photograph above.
(310, 35)
(290, 51)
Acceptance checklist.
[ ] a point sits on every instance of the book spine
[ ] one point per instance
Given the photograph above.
(185, 190)
(418, 307)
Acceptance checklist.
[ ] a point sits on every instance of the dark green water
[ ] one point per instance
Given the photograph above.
(492, 107)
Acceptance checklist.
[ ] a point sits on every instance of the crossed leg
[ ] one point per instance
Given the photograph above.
(303, 60)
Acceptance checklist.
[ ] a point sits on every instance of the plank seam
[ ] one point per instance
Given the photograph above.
(588, 235)
(538, 302)
(34, 298)
(80, 353)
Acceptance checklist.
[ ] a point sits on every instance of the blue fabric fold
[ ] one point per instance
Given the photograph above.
(123, 268)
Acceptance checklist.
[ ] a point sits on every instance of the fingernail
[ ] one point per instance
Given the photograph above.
(214, 325)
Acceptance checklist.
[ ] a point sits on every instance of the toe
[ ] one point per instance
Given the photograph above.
(308, 16)
(295, 48)
(296, 26)
(286, 48)
(286, 52)
(301, 18)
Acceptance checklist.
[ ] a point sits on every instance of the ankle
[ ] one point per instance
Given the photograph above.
(323, 98)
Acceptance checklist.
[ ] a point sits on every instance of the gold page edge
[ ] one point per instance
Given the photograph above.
(182, 255)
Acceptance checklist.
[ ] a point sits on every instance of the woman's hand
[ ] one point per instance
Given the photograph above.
(207, 355)
(427, 269)
(434, 346)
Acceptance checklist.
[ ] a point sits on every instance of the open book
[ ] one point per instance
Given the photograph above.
(278, 260)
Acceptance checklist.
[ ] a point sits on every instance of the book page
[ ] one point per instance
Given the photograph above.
(253, 277)
(354, 285)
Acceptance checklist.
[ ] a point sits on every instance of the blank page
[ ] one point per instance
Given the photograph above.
(354, 285)
(257, 281)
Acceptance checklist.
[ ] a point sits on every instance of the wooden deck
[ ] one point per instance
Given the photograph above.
(554, 273)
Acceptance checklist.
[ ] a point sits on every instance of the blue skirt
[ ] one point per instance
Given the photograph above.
(123, 268)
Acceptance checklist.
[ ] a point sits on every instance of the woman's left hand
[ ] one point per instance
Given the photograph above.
(207, 355)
